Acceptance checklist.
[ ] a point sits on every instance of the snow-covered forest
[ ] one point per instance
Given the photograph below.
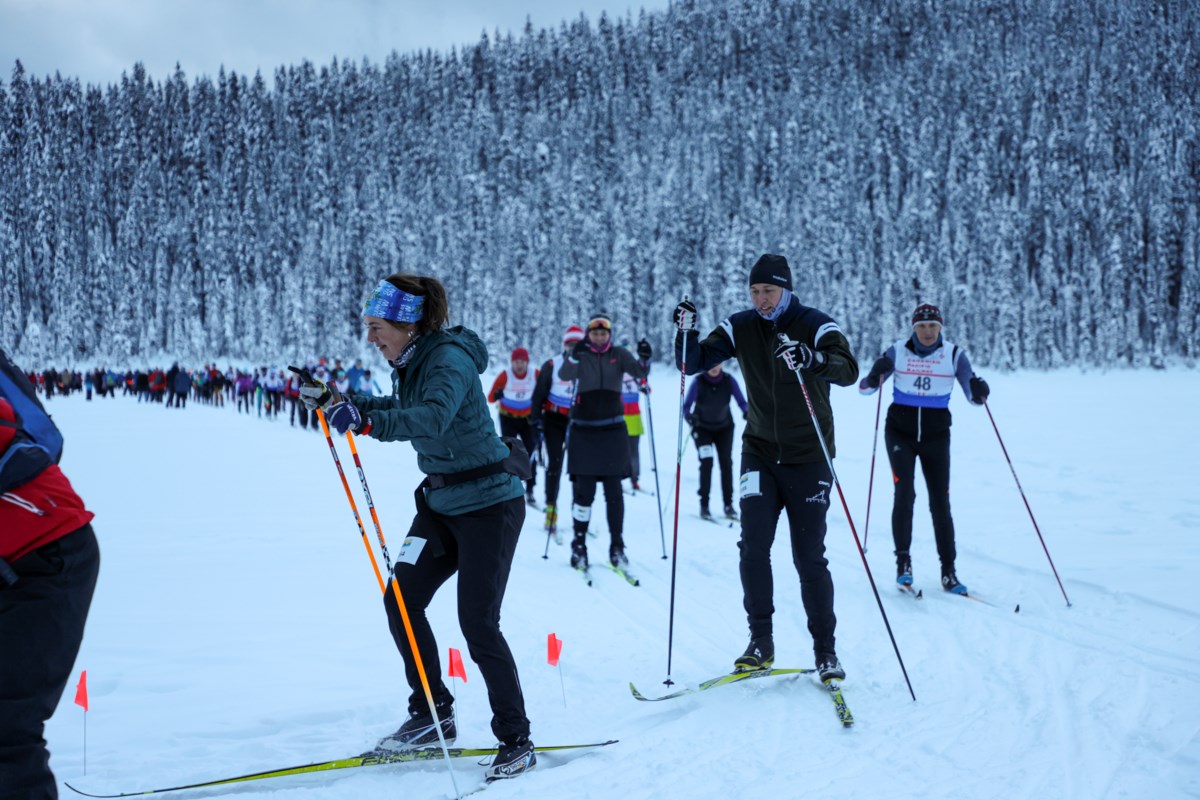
(1031, 165)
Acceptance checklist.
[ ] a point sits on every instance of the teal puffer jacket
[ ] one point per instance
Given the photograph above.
(437, 403)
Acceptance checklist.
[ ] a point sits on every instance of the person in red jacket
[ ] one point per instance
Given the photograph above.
(49, 560)
(513, 390)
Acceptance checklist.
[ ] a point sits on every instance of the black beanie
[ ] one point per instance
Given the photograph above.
(772, 269)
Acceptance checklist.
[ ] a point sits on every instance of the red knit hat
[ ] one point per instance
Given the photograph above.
(927, 313)
(573, 334)
(520, 354)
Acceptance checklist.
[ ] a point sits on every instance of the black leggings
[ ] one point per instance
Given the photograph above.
(554, 426)
(479, 546)
(41, 625)
(614, 501)
(934, 452)
(722, 442)
(804, 490)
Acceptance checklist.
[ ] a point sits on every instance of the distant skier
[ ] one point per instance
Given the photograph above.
(918, 427)
(783, 465)
(513, 390)
(469, 508)
(706, 409)
(549, 414)
(631, 390)
(598, 444)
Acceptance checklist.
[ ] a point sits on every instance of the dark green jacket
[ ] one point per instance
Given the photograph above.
(778, 424)
(437, 403)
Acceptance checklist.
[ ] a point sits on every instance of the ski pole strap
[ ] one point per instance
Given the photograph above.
(7, 574)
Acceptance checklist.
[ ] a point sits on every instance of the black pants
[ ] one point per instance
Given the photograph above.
(584, 494)
(554, 426)
(41, 625)
(722, 442)
(520, 427)
(635, 457)
(934, 452)
(479, 546)
(804, 490)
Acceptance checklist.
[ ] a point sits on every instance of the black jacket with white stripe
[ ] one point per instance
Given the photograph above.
(778, 424)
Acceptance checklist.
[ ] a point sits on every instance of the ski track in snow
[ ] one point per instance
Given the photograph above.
(237, 626)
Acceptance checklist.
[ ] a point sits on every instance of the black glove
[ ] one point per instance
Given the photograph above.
(497, 395)
(644, 350)
(798, 355)
(690, 419)
(979, 390)
(684, 316)
(579, 349)
(881, 367)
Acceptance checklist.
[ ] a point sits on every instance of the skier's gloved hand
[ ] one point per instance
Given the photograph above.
(684, 316)
(644, 388)
(798, 355)
(644, 350)
(497, 396)
(882, 366)
(316, 395)
(345, 416)
(579, 349)
(690, 419)
(979, 390)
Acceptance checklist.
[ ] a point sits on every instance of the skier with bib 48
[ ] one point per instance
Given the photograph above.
(918, 428)
(783, 465)
(470, 508)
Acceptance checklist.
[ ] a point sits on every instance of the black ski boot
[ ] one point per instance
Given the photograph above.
(579, 558)
(950, 582)
(903, 569)
(760, 654)
(829, 668)
(730, 514)
(514, 759)
(704, 512)
(616, 557)
(419, 730)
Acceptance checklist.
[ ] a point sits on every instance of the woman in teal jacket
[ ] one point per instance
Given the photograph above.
(469, 509)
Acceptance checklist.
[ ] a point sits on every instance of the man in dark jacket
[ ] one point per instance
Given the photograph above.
(783, 464)
(49, 560)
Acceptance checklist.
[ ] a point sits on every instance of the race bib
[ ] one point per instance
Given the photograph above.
(750, 485)
(707, 451)
(410, 551)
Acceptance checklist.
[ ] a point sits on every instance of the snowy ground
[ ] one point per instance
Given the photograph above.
(237, 626)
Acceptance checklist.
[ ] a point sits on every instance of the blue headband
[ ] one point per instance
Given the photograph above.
(388, 302)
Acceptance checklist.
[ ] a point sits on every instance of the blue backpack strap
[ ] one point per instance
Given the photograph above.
(38, 443)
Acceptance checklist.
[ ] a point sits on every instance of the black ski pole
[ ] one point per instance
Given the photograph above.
(654, 463)
(1026, 501)
(812, 413)
(678, 465)
(871, 482)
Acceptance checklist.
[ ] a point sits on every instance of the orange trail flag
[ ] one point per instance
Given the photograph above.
(81, 691)
(553, 649)
(457, 670)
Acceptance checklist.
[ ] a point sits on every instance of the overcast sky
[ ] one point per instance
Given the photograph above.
(98, 39)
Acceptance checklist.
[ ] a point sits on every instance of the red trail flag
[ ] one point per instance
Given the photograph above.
(553, 649)
(457, 670)
(81, 691)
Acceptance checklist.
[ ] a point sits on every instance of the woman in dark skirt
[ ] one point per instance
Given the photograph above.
(597, 440)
